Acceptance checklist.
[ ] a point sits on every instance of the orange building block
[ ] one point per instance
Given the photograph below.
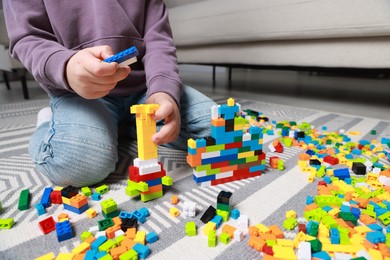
(174, 199)
(128, 243)
(257, 243)
(367, 219)
(78, 201)
(130, 233)
(253, 231)
(117, 251)
(276, 231)
(228, 229)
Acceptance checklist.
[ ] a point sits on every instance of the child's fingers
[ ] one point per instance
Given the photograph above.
(165, 109)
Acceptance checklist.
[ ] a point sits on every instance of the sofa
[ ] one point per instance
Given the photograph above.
(282, 33)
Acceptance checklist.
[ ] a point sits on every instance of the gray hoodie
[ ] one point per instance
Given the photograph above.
(44, 34)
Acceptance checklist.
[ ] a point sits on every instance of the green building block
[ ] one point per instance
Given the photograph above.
(141, 186)
(86, 191)
(252, 159)
(108, 206)
(24, 200)
(385, 218)
(329, 222)
(106, 257)
(85, 235)
(212, 238)
(327, 200)
(214, 148)
(223, 207)
(316, 245)
(167, 181)
(191, 229)
(151, 196)
(225, 238)
(129, 255)
(348, 216)
(388, 240)
(102, 189)
(290, 223)
(280, 165)
(106, 246)
(119, 239)
(111, 214)
(286, 141)
(224, 214)
(270, 242)
(105, 223)
(131, 192)
(6, 223)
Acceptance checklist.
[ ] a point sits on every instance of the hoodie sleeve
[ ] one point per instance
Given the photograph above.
(32, 42)
(160, 62)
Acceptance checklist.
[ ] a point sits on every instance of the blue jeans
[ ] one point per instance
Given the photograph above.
(79, 145)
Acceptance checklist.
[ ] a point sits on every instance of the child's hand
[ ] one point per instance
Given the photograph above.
(168, 111)
(92, 78)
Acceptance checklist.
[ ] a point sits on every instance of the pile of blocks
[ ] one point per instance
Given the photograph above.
(232, 152)
(146, 176)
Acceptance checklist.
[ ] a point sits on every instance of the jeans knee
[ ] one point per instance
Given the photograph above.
(80, 164)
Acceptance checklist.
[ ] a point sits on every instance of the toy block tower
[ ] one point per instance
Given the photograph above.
(146, 175)
(73, 201)
(232, 152)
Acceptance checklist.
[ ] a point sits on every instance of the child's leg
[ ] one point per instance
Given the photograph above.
(195, 118)
(79, 145)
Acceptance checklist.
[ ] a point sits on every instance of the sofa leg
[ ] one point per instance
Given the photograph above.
(230, 78)
(6, 80)
(214, 81)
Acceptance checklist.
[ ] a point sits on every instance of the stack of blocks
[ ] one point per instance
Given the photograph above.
(73, 201)
(146, 175)
(233, 152)
(109, 208)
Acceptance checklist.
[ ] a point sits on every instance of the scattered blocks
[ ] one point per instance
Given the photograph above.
(47, 225)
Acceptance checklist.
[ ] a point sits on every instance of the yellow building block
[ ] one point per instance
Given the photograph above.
(300, 237)
(375, 254)
(285, 243)
(356, 239)
(291, 214)
(334, 212)
(263, 228)
(49, 256)
(174, 212)
(245, 154)
(285, 253)
(230, 102)
(349, 249)
(324, 240)
(140, 237)
(65, 256)
(91, 213)
(209, 226)
(82, 248)
(191, 143)
(146, 128)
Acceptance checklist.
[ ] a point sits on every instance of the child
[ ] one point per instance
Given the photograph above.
(63, 43)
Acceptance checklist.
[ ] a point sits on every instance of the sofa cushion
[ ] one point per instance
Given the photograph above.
(228, 21)
(174, 3)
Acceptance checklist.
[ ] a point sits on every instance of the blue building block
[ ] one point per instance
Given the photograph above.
(309, 200)
(322, 255)
(100, 254)
(375, 227)
(154, 182)
(96, 196)
(334, 236)
(151, 237)
(124, 214)
(143, 251)
(76, 210)
(217, 220)
(375, 237)
(90, 254)
(342, 173)
(40, 209)
(123, 56)
(45, 200)
(139, 216)
(144, 211)
(235, 213)
(64, 230)
(356, 212)
(98, 242)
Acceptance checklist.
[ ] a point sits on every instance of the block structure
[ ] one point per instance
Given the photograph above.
(146, 176)
(73, 201)
(234, 151)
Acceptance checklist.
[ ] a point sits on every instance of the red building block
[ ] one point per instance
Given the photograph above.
(47, 225)
(56, 197)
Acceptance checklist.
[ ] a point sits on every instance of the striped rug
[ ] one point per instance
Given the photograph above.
(264, 199)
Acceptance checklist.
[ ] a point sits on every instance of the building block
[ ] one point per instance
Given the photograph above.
(191, 229)
(96, 196)
(189, 209)
(48, 256)
(209, 214)
(40, 209)
(151, 237)
(174, 212)
(124, 58)
(69, 191)
(47, 225)
(86, 191)
(45, 200)
(6, 223)
(142, 250)
(24, 200)
(63, 230)
(102, 189)
(56, 197)
(212, 238)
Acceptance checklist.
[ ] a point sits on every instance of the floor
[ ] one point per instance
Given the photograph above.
(358, 94)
